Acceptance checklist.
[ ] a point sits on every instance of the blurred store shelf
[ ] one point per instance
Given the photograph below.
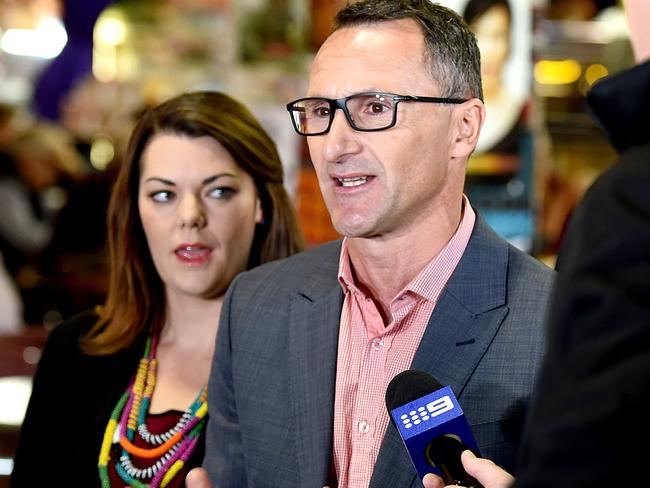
(571, 57)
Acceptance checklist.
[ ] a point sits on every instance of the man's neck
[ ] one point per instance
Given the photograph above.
(384, 265)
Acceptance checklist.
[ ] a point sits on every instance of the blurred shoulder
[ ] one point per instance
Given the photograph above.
(66, 335)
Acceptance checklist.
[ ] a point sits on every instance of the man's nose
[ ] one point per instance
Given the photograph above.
(341, 139)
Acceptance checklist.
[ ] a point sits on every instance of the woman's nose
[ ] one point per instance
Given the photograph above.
(191, 212)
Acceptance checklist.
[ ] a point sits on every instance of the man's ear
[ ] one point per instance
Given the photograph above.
(467, 121)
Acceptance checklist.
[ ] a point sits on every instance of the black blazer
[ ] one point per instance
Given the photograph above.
(72, 399)
(589, 423)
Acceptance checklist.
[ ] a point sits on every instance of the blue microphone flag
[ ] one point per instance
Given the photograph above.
(433, 416)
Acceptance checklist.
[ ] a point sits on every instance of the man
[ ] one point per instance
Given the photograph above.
(307, 345)
(588, 425)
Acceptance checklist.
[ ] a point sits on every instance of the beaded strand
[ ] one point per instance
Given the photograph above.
(173, 448)
(157, 439)
(104, 453)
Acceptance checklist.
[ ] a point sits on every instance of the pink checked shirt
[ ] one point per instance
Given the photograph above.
(371, 353)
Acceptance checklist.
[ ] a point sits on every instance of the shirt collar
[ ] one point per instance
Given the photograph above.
(427, 283)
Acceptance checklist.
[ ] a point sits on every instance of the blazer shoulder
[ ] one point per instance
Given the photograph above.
(492, 272)
(530, 285)
(322, 260)
(529, 267)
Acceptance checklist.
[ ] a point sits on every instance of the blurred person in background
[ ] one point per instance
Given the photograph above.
(6, 126)
(37, 165)
(99, 118)
(11, 307)
(198, 199)
(588, 422)
(577, 9)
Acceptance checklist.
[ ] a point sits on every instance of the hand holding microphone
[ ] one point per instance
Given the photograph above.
(485, 471)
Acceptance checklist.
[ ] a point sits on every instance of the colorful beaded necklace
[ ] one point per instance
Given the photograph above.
(173, 448)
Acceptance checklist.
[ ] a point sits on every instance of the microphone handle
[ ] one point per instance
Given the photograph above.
(445, 453)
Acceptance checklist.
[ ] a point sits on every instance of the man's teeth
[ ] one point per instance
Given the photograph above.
(356, 181)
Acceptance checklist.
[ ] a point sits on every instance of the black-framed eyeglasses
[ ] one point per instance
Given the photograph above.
(367, 112)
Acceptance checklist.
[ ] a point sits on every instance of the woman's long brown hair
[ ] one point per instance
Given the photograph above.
(136, 298)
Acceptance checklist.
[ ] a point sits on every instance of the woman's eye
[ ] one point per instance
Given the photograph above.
(162, 196)
(222, 192)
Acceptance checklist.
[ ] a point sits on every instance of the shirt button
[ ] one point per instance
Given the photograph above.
(364, 427)
(377, 344)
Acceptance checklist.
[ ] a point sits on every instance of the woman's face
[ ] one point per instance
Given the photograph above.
(492, 30)
(198, 210)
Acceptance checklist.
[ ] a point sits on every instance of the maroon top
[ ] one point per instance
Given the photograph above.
(157, 424)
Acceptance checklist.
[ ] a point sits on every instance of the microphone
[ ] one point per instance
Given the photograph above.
(432, 426)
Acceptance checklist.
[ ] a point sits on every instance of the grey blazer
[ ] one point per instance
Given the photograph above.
(271, 391)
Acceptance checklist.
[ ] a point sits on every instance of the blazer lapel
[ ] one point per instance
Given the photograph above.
(313, 343)
(468, 314)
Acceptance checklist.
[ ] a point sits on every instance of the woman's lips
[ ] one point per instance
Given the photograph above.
(193, 254)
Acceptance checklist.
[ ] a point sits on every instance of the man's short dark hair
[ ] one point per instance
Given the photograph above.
(450, 46)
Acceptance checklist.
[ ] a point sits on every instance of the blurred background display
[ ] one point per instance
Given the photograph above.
(501, 170)
(75, 74)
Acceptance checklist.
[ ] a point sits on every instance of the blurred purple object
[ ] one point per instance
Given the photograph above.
(74, 62)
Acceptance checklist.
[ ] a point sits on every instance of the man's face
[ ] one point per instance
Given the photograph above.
(378, 184)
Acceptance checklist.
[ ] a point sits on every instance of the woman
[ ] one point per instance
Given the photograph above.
(198, 199)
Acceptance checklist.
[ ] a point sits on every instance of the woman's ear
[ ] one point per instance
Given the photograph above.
(468, 120)
(259, 211)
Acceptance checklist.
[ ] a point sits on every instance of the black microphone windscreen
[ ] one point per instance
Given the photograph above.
(408, 386)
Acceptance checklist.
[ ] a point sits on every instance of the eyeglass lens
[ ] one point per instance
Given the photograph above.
(366, 111)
